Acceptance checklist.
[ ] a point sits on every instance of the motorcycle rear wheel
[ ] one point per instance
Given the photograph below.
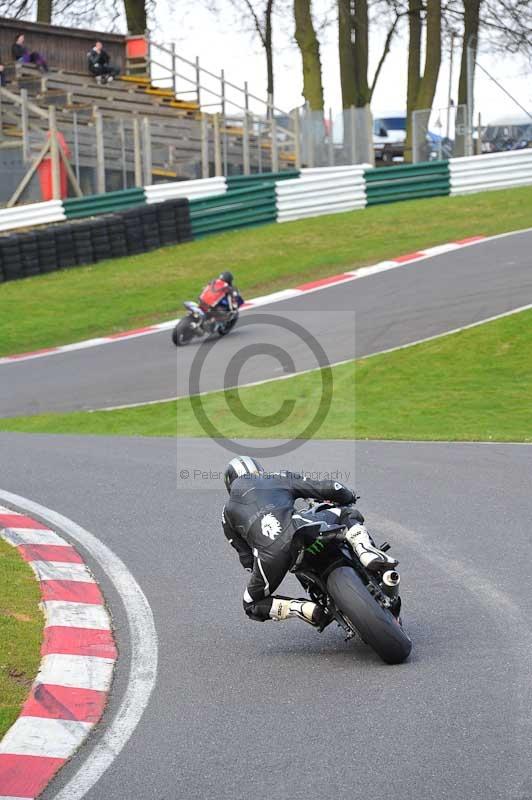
(183, 332)
(376, 625)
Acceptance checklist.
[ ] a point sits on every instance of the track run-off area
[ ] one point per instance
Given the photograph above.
(356, 318)
(239, 708)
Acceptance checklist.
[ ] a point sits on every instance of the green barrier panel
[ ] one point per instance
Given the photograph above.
(240, 181)
(93, 204)
(239, 208)
(407, 182)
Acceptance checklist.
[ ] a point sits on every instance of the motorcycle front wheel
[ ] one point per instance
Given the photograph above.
(183, 332)
(376, 625)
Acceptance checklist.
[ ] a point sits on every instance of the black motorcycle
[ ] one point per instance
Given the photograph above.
(360, 601)
(201, 323)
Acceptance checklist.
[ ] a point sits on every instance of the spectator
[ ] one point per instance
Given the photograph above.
(22, 55)
(99, 65)
(2, 73)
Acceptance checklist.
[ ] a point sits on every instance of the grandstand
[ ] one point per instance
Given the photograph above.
(135, 131)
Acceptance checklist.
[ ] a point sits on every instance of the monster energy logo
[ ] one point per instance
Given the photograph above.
(316, 547)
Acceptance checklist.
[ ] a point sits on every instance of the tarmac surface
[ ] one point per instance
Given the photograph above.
(243, 709)
(364, 316)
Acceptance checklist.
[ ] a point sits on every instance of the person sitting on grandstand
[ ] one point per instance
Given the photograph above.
(220, 298)
(22, 55)
(99, 64)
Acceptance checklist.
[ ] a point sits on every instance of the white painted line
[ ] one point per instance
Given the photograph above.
(77, 672)
(18, 536)
(59, 571)
(144, 649)
(38, 736)
(77, 615)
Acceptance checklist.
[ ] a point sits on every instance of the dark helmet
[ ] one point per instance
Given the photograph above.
(227, 277)
(239, 466)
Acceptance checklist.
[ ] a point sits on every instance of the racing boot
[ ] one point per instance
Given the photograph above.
(369, 556)
(284, 608)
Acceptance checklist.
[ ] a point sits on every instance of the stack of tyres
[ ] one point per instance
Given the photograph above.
(46, 244)
(150, 228)
(117, 235)
(184, 226)
(11, 257)
(64, 243)
(101, 246)
(29, 254)
(166, 218)
(134, 231)
(82, 237)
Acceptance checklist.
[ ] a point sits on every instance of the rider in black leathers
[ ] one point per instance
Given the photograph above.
(260, 521)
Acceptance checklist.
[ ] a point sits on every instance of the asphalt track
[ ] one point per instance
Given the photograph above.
(243, 709)
(350, 320)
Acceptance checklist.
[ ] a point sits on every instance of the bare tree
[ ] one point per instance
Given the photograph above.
(422, 85)
(353, 44)
(307, 41)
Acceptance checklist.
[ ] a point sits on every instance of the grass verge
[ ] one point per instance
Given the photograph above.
(111, 296)
(21, 626)
(475, 385)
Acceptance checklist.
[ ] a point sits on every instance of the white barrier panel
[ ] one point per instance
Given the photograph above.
(321, 191)
(492, 171)
(33, 214)
(207, 187)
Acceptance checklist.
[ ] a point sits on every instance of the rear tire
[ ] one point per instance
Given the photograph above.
(183, 332)
(376, 625)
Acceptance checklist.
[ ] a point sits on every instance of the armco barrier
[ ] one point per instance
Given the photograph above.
(260, 178)
(236, 209)
(34, 214)
(407, 182)
(208, 187)
(493, 171)
(93, 204)
(69, 244)
(314, 194)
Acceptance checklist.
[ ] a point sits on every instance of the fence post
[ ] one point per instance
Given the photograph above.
(330, 142)
(198, 81)
(174, 69)
(25, 125)
(122, 137)
(245, 145)
(217, 148)
(146, 152)
(275, 144)
(259, 144)
(297, 138)
(137, 153)
(352, 118)
(204, 146)
(54, 152)
(478, 147)
(76, 143)
(100, 153)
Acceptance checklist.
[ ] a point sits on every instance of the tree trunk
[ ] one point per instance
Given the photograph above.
(308, 44)
(268, 45)
(471, 26)
(361, 54)
(422, 88)
(135, 16)
(44, 11)
(346, 52)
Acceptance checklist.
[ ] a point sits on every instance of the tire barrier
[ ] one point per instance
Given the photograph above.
(250, 181)
(238, 208)
(70, 244)
(493, 171)
(209, 187)
(407, 182)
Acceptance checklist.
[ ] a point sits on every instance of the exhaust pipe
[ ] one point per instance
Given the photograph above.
(390, 582)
